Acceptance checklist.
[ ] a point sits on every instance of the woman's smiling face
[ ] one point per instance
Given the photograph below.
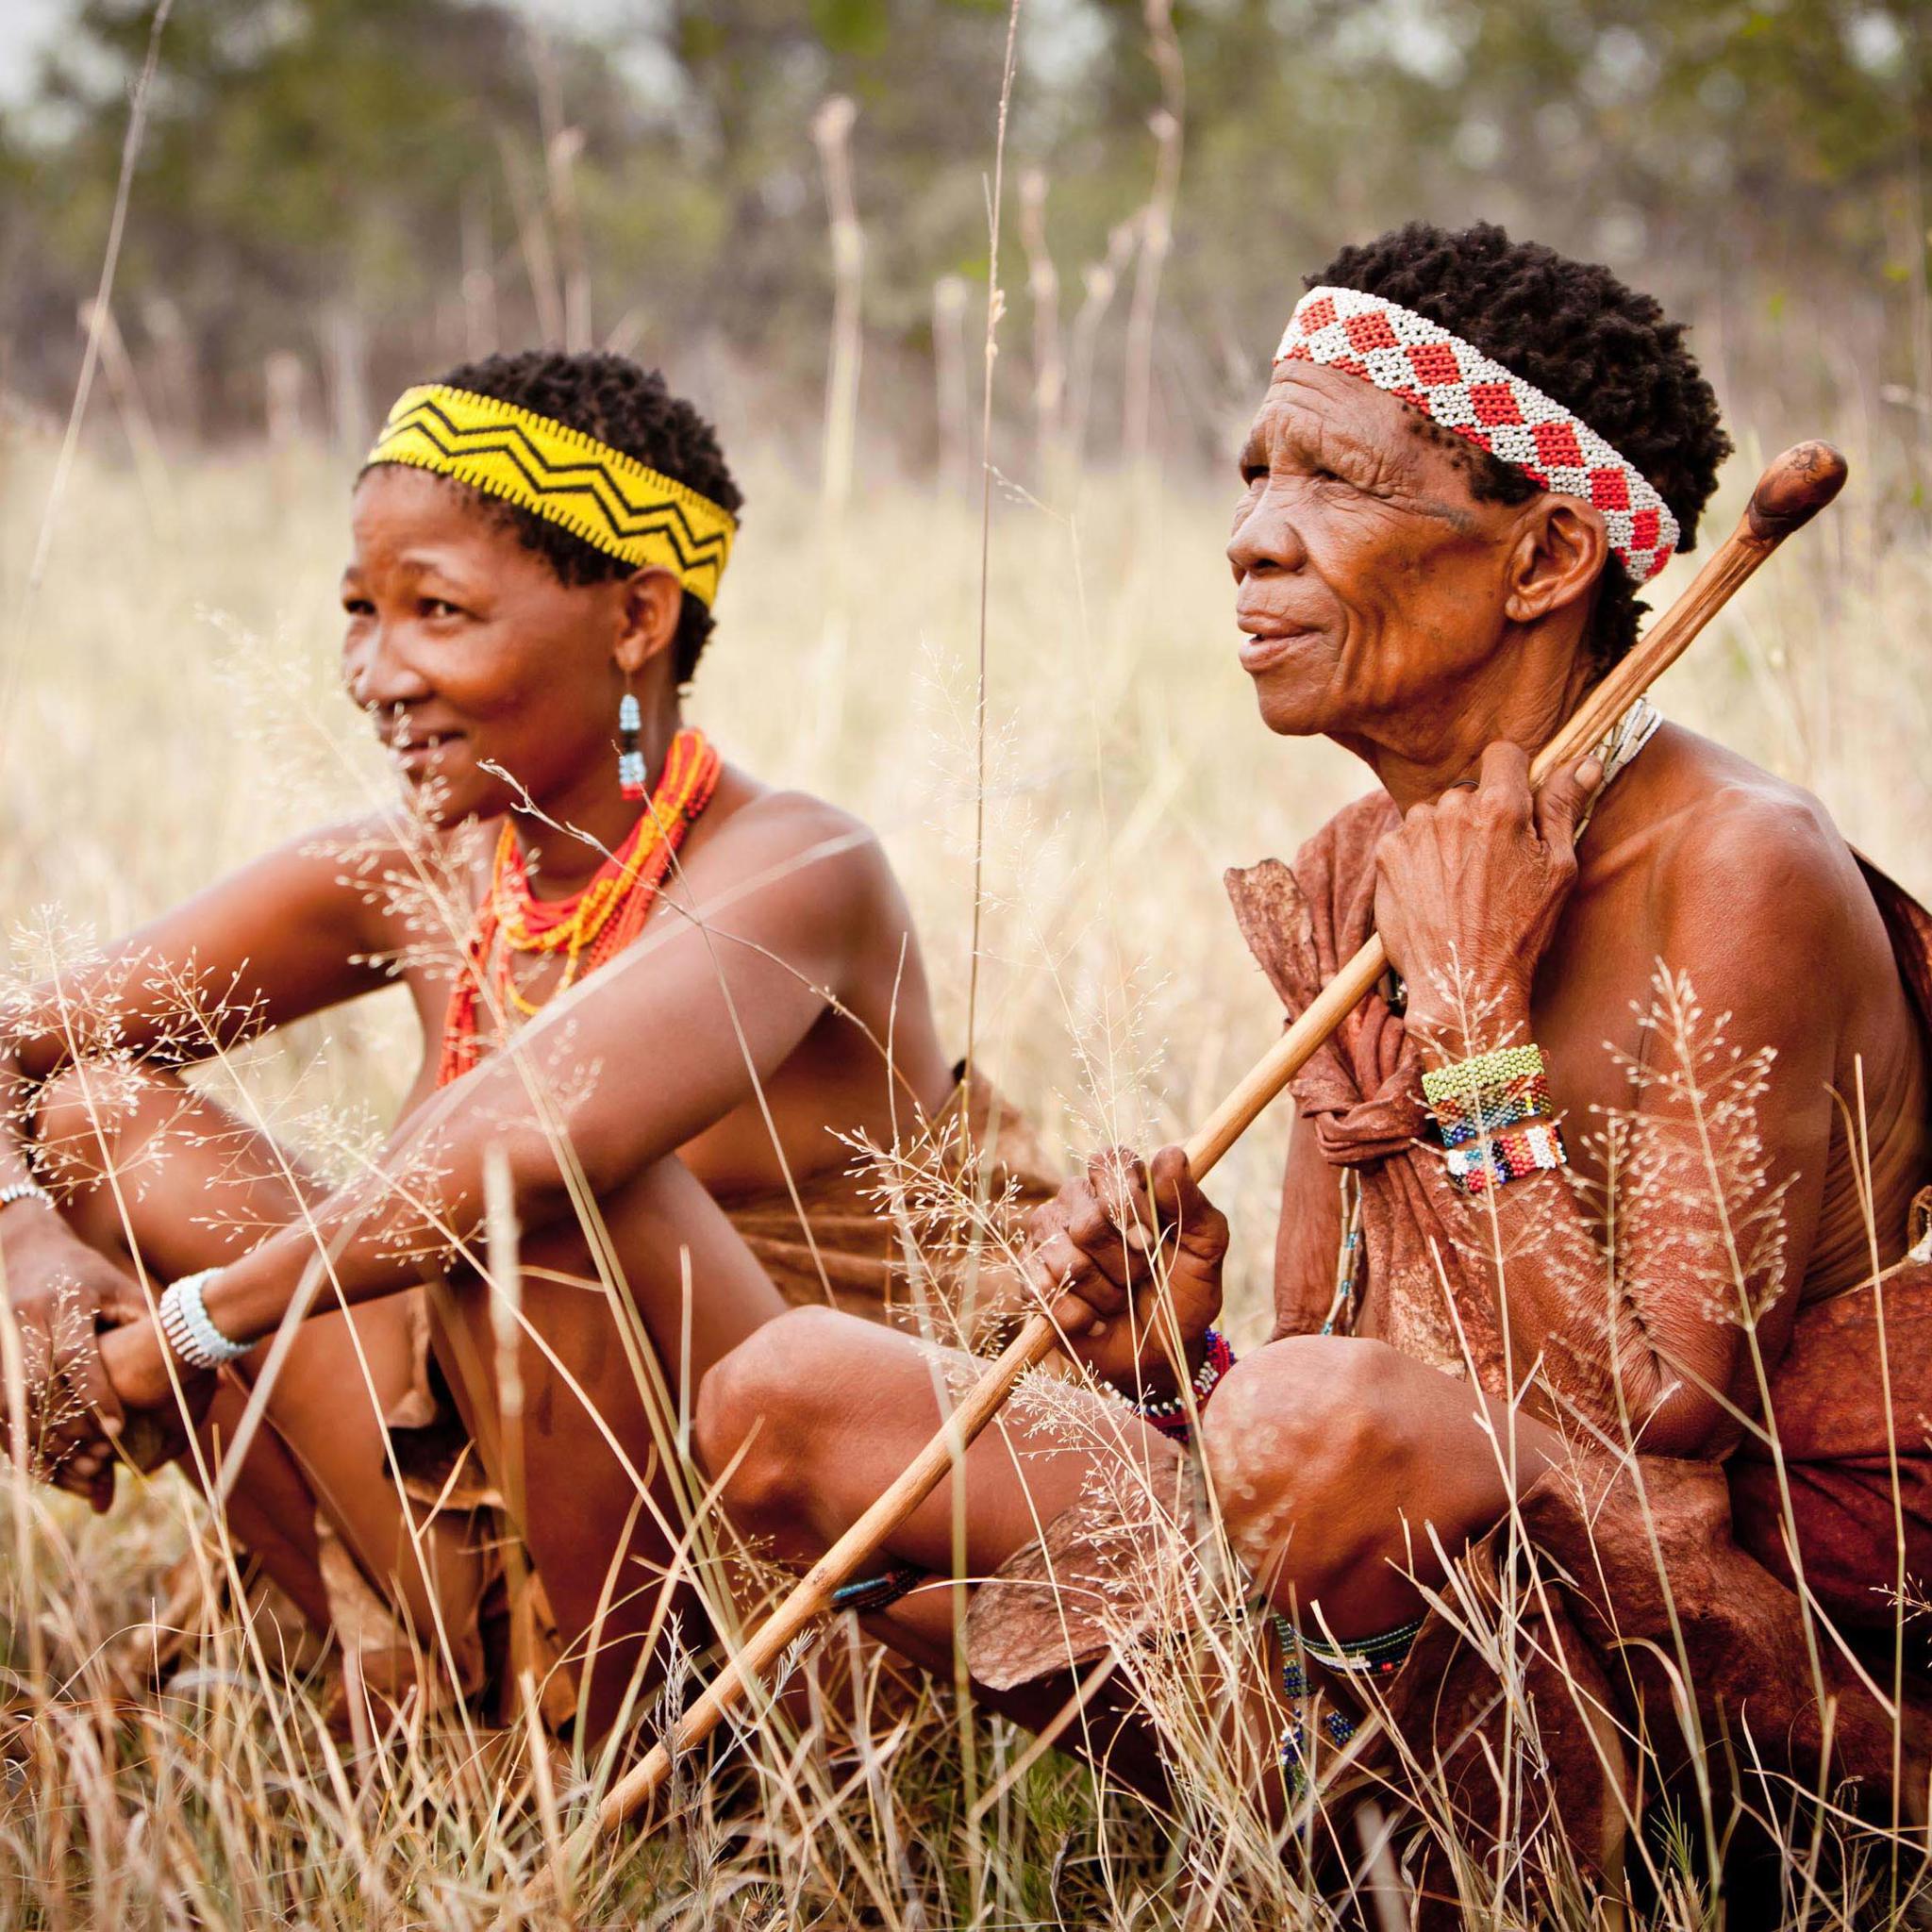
(1368, 575)
(470, 652)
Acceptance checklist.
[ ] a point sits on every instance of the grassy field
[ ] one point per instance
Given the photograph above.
(168, 708)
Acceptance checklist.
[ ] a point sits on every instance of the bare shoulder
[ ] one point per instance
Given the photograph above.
(375, 846)
(789, 847)
(1744, 858)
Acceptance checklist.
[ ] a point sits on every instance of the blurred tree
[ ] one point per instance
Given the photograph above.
(405, 176)
(304, 172)
(924, 75)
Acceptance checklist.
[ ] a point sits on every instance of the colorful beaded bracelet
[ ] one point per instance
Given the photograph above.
(1493, 1115)
(1500, 1158)
(1463, 1119)
(1471, 1079)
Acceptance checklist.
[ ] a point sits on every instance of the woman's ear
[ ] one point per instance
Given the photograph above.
(652, 601)
(1561, 550)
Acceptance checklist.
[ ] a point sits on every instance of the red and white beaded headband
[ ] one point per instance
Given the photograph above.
(1453, 382)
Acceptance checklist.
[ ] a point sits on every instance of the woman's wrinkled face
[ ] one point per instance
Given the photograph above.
(469, 651)
(1369, 582)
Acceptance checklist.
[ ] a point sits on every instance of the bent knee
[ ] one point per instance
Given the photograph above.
(83, 1117)
(756, 1406)
(1297, 1428)
(75, 1113)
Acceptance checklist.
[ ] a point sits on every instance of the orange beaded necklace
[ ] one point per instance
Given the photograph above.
(589, 928)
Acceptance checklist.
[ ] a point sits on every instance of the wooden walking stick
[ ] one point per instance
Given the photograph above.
(1790, 493)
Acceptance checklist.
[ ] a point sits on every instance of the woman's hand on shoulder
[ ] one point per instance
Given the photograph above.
(1102, 1249)
(1468, 891)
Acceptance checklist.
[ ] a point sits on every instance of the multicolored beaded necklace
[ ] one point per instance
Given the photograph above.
(589, 927)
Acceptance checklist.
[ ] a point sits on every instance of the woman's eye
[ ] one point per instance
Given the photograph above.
(440, 606)
(359, 607)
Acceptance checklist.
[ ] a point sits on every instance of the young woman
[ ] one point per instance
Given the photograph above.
(707, 984)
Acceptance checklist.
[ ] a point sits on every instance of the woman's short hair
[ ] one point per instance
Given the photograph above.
(1607, 353)
(631, 408)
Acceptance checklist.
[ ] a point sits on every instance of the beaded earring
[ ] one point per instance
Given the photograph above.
(630, 760)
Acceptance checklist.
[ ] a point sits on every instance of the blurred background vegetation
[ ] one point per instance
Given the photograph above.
(333, 197)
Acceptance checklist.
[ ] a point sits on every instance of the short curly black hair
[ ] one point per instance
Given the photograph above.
(631, 408)
(1604, 351)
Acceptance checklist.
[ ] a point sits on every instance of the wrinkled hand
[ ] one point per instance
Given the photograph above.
(61, 1292)
(1468, 891)
(1101, 1249)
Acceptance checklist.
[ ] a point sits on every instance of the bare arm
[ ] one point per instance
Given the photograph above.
(619, 1072)
(281, 937)
(285, 936)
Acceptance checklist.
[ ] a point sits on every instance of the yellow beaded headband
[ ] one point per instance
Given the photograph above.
(610, 500)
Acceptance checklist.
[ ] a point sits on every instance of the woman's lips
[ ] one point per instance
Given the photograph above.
(1262, 650)
(416, 756)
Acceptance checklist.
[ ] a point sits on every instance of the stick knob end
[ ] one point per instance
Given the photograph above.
(1793, 490)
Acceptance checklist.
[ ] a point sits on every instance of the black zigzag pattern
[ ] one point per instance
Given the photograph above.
(589, 481)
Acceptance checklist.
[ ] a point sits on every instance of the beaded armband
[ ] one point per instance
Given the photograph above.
(1496, 1119)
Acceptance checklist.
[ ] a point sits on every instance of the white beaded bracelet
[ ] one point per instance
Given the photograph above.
(1169, 1414)
(190, 1329)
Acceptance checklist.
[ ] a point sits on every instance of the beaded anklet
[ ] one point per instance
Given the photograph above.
(869, 1593)
(1374, 1658)
(1494, 1116)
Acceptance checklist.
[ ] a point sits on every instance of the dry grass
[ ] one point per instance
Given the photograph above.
(169, 708)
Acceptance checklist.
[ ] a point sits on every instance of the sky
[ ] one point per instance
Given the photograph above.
(26, 27)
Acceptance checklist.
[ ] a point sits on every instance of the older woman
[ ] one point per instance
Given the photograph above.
(1598, 1184)
(657, 1000)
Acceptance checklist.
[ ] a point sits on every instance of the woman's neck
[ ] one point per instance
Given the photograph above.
(567, 837)
(1430, 746)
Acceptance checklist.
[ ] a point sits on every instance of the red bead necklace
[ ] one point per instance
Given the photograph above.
(589, 927)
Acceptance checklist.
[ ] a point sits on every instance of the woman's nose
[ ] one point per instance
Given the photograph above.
(1265, 536)
(379, 673)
